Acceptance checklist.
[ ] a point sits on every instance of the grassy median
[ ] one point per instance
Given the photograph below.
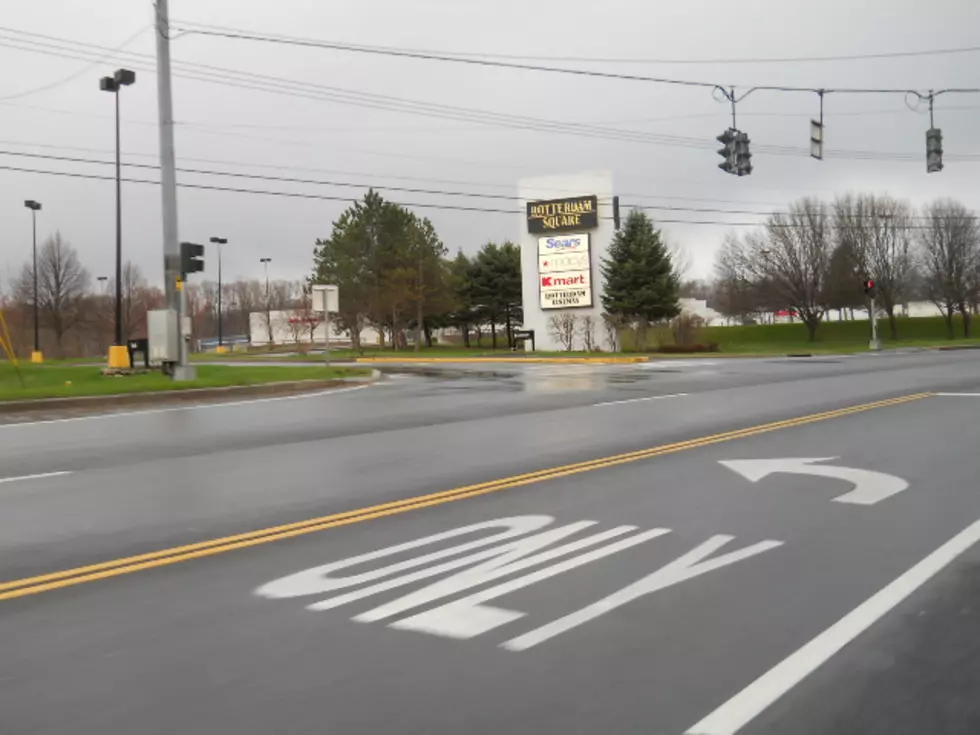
(64, 381)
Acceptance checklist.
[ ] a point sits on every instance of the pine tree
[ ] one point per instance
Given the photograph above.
(641, 284)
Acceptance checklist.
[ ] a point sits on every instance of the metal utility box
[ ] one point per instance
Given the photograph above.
(161, 330)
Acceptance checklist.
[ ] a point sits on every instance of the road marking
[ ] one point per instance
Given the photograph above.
(869, 487)
(467, 617)
(691, 565)
(959, 395)
(745, 706)
(195, 407)
(165, 557)
(638, 400)
(39, 476)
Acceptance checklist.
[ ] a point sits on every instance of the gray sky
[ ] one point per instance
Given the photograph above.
(251, 131)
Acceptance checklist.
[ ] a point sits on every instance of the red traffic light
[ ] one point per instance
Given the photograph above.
(869, 286)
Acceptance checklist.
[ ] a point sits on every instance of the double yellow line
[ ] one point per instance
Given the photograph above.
(165, 557)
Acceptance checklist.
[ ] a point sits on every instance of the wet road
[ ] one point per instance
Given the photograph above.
(716, 546)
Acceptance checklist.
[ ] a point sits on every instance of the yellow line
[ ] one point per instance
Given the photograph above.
(128, 565)
(513, 360)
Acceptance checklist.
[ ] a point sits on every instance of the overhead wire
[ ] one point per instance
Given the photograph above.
(662, 61)
(390, 103)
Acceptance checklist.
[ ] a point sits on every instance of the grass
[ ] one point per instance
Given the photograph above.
(832, 337)
(62, 381)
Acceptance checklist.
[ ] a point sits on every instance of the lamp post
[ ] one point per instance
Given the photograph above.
(118, 354)
(36, 356)
(265, 262)
(219, 241)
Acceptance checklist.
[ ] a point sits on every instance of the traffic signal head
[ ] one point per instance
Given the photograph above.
(934, 150)
(727, 139)
(743, 156)
(191, 258)
(869, 287)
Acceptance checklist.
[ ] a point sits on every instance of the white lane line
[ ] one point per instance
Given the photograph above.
(639, 400)
(738, 711)
(959, 395)
(195, 407)
(39, 476)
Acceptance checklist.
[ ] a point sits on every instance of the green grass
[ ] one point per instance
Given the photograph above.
(60, 381)
(832, 337)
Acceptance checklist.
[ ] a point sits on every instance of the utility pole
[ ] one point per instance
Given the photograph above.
(176, 300)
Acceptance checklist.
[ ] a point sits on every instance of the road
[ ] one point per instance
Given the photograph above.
(702, 547)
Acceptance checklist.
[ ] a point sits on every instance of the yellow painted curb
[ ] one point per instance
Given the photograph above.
(514, 360)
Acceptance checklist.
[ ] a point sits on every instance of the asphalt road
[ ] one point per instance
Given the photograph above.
(520, 549)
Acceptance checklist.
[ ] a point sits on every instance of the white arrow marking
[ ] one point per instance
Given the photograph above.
(869, 487)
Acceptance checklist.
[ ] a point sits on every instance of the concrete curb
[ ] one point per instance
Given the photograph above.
(191, 395)
(511, 360)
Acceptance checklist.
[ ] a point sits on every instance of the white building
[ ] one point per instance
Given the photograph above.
(291, 327)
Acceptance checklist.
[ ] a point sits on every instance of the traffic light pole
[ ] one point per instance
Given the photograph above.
(875, 344)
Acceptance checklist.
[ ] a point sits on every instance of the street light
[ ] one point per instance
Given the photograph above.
(36, 356)
(219, 241)
(118, 354)
(265, 262)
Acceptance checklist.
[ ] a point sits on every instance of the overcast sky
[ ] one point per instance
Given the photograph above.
(50, 104)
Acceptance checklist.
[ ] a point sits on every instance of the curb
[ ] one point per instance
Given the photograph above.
(282, 388)
(510, 360)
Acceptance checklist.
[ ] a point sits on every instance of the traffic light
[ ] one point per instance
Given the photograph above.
(615, 205)
(727, 139)
(934, 150)
(743, 157)
(869, 287)
(816, 140)
(191, 258)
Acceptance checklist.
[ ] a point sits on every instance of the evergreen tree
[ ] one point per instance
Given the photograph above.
(641, 284)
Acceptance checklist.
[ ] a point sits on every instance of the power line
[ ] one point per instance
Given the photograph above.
(194, 27)
(430, 205)
(484, 61)
(278, 85)
(79, 72)
(459, 182)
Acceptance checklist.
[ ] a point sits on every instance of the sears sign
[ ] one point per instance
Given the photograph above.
(563, 244)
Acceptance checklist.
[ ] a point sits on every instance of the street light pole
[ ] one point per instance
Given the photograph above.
(219, 241)
(37, 356)
(265, 262)
(118, 354)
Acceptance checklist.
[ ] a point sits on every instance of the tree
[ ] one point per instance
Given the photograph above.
(875, 234)
(736, 294)
(62, 283)
(561, 326)
(496, 288)
(949, 254)
(367, 256)
(460, 280)
(792, 257)
(641, 284)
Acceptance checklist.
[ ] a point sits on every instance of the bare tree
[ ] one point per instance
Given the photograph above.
(562, 328)
(62, 282)
(949, 253)
(792, 257)
(612, 324)
(739, 293)
(877, 230)
(587, 331)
